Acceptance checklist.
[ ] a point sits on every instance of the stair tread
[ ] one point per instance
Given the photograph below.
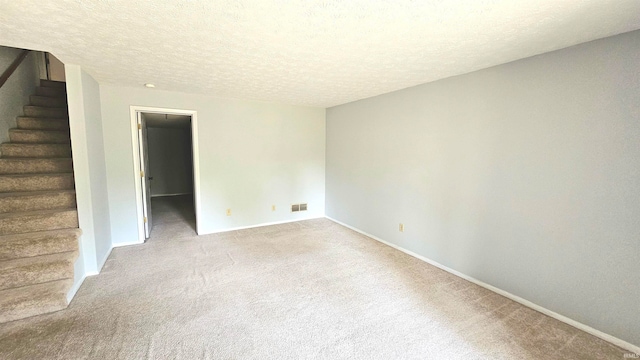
(33, 122)
(35, 166)
(46, 287)
(16, 237)
(8, 154)
(34, 159)
(47, 101)
(20, 182)
(35, 213)
(58, 95)
(43, 118)
(38, 243)
(43, 90)
(17, 158)
(37, 130)
(66, 143)
(29, 199)
(32, 300)
(28, 292)
(47, 96)
(42, 174)
(47, 112)
(48, 258)
(55, 83)
(33, 144)
(8, 143)
(37, 192)
(37, 107)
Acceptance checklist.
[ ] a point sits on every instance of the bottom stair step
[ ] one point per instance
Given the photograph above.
(38, 243)
(36, 270)
(20, 303)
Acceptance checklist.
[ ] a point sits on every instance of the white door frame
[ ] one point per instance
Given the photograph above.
(136, 160)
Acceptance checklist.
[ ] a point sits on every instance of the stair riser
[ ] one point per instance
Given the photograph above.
(51, 92)
(39, 136)
(39, 222)
(45, 112)
(45, 101)
(27, 123)
(29, 308)
(35, 274)
(33, 300)
(35, 150)
(36, 183)
(36, 246)
(37, 202)
(35, 166)
(53, 84)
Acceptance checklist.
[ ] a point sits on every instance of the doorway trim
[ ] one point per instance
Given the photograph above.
(195, 154)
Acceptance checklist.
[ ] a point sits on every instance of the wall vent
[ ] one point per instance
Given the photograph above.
(298, 207)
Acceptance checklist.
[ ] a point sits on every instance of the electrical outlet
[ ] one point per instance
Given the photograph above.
(401, 227)
(228, 212)
(273, 208)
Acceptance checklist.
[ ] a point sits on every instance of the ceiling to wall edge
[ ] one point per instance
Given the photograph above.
(105, 83)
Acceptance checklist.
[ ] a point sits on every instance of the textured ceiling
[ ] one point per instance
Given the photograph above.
(306, 52)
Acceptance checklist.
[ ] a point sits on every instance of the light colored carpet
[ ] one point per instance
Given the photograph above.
(305, 290)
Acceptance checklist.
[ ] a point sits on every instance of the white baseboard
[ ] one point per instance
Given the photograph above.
(612, 339)
(137, 242)
(72, 293)
(263, 224)
(104, 259)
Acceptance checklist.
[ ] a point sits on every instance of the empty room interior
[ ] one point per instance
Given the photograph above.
(320, 179)
(167, 148)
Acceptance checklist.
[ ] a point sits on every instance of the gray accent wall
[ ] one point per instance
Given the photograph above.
(170, 163)
(525, 176)
(14, 94)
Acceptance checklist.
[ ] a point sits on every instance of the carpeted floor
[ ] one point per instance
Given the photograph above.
(306, 290)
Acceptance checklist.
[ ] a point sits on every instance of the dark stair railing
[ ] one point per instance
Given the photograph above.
(14, 65)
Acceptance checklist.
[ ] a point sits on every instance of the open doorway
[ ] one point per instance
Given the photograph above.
(166, 165)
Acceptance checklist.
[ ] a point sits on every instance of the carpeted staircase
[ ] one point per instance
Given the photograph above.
(38, 217)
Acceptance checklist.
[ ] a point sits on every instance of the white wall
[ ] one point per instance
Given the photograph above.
(56, 69)
(14, 94)
(170, 163)
(252, 155)
(525, 176)
(89, 167)
(97, 168)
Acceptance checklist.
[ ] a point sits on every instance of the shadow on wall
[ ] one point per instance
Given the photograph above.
(15, 92)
